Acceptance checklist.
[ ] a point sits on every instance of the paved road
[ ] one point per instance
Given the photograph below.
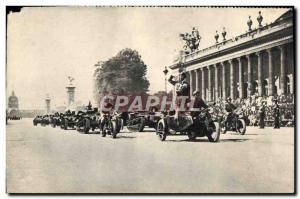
(47, 160)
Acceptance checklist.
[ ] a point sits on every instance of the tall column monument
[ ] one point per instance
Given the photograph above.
(48, 103)
(70, 91)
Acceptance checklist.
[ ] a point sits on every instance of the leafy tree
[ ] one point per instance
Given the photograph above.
(123, 73)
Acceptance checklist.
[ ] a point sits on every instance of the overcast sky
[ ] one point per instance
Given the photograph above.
(45, 45)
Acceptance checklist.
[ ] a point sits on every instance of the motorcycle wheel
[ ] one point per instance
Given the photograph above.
(241, 126)
(114, 129)
(214, 136)
(103, 132)
(142, 124)
(162, 130)
(191, 135)
(223, 128)
(87, 126)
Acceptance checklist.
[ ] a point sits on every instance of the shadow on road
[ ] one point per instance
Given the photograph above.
(234, 140)
(148, 131)
(187, 140)
(206, 140)
(125, 137)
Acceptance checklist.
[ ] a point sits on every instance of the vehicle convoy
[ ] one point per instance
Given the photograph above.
(111, 124)
(138, 120)
(235, 122)
(200, 125)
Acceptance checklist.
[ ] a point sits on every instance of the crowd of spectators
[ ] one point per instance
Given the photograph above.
(251, 106)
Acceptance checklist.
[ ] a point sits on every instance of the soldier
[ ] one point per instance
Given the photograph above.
(108, 108)
(182, 89)
(198, 103)
(89, 106)
(276, 115)
(262, 114)
(229, 107)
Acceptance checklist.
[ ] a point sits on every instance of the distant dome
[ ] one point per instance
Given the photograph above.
(13, 101)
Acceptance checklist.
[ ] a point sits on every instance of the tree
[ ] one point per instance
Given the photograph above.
(123, 73)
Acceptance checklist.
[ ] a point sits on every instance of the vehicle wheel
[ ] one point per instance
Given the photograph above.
(66, 125)
(78, 125)
(87, 126)
(191, 135)
(223, 128)
(103, 131)
(241, 126)
(162, 130)
(114, 129)
(214, 136)
(34, 124)
(142, 124)
(119, 122)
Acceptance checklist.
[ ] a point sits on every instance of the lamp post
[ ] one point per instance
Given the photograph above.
(166, 72)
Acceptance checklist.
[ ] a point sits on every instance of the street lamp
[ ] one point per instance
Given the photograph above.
(166, 72)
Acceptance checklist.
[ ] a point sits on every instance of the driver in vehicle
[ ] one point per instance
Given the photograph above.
(229, 107)
(198, 103)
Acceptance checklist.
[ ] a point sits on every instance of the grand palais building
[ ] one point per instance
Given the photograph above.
(259, 62)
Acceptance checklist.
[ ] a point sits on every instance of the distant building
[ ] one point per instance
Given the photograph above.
(13, 107)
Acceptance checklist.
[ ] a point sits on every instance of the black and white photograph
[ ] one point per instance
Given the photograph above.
(150, 100)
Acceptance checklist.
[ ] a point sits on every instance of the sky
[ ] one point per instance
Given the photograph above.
(45, 45)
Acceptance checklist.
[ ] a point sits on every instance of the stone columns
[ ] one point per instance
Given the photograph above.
(259, 74)
(216, 82)
(223, 80)
(209, 98)
(197, 79)
(271, 73)
(241, 78)
(232, 85)
(191, 82)
(291, 78)
(250, 92)
(203, 84)
(283, 83)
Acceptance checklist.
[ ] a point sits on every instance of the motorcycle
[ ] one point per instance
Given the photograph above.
(197, 126)
(235, 122)
(112, 124)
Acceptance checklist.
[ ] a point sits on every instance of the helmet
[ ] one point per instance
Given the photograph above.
(196, 92)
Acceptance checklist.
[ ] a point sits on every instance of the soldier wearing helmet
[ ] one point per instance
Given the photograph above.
(107, 109)
(182, 89)
(198, 103)
(229, 107)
